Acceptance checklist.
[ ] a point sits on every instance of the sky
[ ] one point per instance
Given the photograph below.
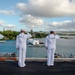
(37, 15)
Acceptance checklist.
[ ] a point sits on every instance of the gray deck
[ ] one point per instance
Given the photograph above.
(37, 68)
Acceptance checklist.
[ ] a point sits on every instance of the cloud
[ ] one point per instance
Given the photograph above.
(7, 12)
(4, 24)
(21, 6)
(47, 8)
(9, 26)
(31, 21)
(68, 25)
(38, 9)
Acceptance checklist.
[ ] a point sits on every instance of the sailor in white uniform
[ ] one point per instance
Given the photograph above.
(50, 44)
(21, 46)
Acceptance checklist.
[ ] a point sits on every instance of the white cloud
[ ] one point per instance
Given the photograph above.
(7, 12)
(31, 21)
(4, 24)
(64, 25)
(56, 23)
(61, 23)
(9, 26)
(48, 8)
(21, 6)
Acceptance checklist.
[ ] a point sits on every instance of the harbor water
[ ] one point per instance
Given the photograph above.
(65, 48)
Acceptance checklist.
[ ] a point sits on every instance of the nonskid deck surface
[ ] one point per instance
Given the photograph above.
(37, 68)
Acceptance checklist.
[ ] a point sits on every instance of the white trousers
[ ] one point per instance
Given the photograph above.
(50, 58)
(22, 56)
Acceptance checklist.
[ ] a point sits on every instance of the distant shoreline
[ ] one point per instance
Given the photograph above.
(67, 37)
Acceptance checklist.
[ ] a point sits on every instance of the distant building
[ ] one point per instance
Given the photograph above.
(33, 42)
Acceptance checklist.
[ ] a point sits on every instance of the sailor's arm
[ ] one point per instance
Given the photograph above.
(28, 35)
(46, 44)
(57, 37)
(17, 43)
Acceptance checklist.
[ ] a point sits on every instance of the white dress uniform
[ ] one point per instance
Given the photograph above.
(50, 44)
(21, 45)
